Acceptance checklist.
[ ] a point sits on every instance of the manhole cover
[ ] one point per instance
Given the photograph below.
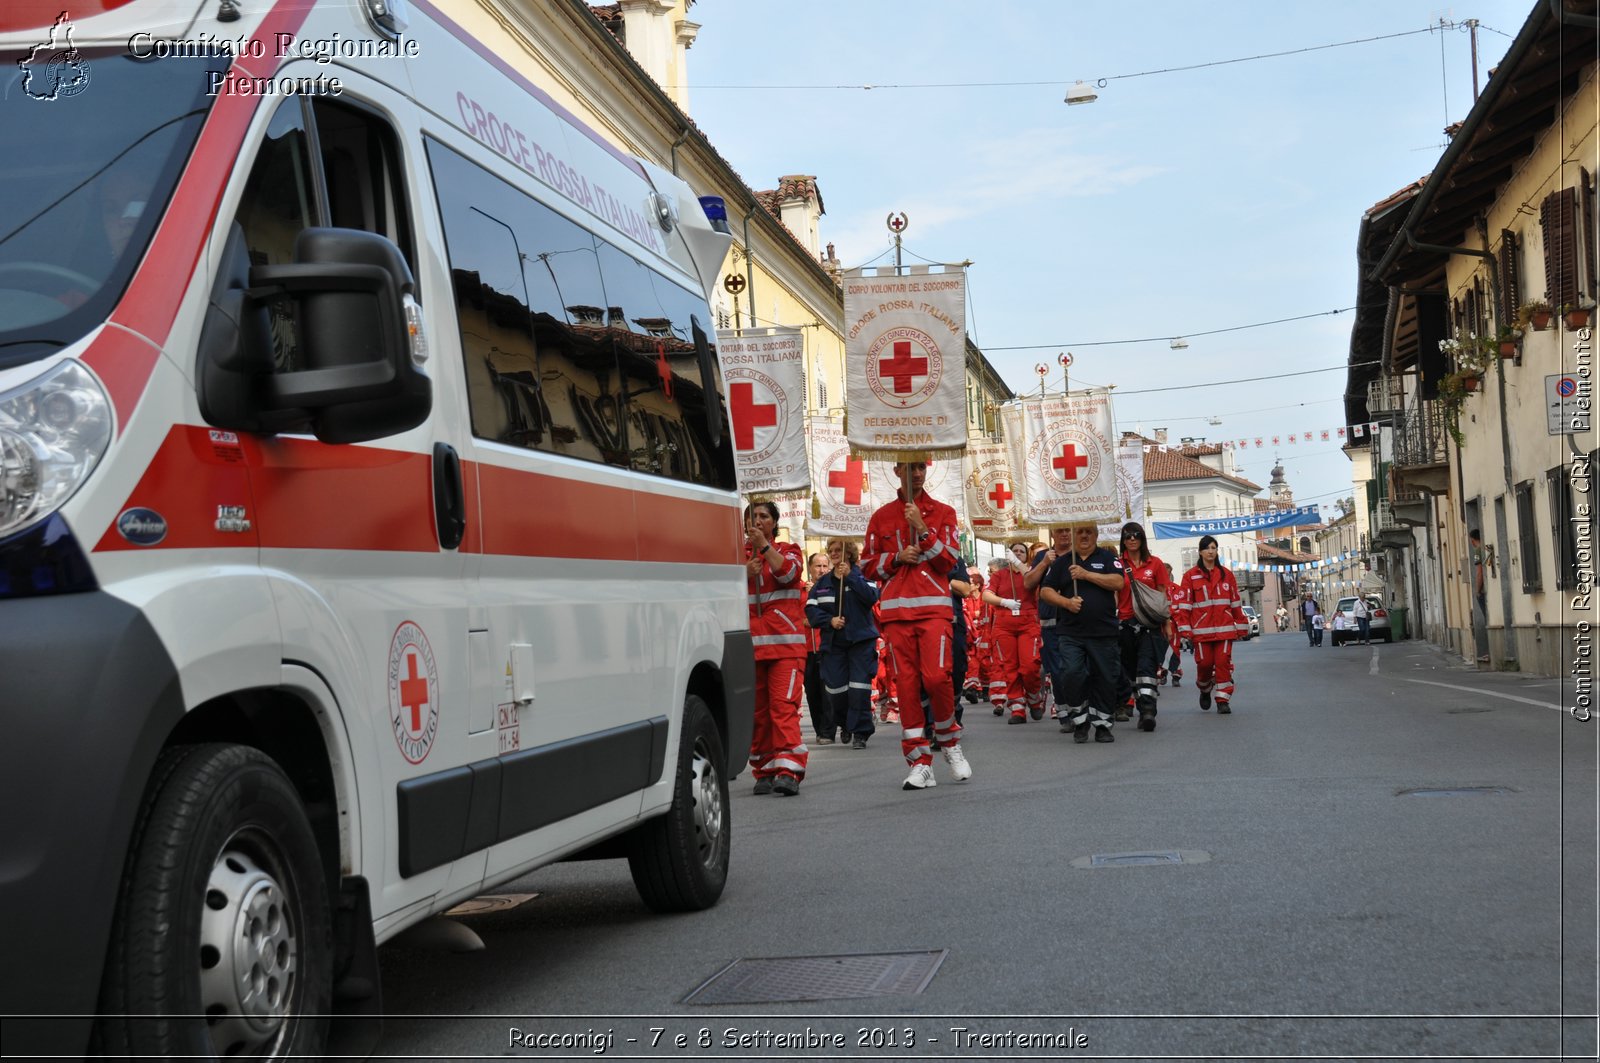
(491, 902)
(1146, 859)
(1457, 791)
(797, 978)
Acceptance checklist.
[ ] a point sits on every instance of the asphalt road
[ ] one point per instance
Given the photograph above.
(1317, 908)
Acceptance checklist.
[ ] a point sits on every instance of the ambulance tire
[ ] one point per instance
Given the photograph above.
(680, 860)
(222, 843)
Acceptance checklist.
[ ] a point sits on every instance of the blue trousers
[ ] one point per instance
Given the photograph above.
(1086, 679)
(847, 672)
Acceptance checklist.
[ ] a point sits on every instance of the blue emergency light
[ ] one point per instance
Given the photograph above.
(716, 213)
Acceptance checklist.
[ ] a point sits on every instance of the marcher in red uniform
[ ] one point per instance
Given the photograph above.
(1015, 639)
(1211, 618)
(911, 547)
(780, 633)
(1174, 641)
(973, 689)
(1147, 626)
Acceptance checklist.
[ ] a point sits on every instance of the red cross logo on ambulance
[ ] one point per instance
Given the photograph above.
(904, 367)
(1070, 460)
(413, 692)
(760, 410)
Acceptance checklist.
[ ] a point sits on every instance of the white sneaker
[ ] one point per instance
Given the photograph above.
(921, 778)
(958, 763)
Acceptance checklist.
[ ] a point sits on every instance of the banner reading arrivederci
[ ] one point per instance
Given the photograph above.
(906, 361)
(765, 374)
(991, 493)
(1065, 456)
(1130, 484)
(1244, 522)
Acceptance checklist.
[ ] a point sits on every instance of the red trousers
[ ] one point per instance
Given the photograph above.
(920, 653)
(775, 744)
(1213, 662)
(1016, 652)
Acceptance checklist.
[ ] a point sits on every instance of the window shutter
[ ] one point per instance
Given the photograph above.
(1589, 237)
(1510, 280)
(1557, 217)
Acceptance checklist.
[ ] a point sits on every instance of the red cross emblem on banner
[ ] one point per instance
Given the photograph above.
(902, 368)
(1000, 496)
(748, 414)
(1070, 461)
(850, 478)
(413, 692)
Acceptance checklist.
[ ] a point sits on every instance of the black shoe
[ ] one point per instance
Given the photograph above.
(1205, 700)
(1147, 721)
(1017, 717)
(1037, 712)
(971, 696)
(763, 786)
(1222, 708)
(1080, 733)
(786, 786)
(999, 710)
(1121, 716)
(1177, 681)
(824, 741)
(1103, 734)
(859, 742)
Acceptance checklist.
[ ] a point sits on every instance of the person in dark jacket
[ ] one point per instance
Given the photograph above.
(840, 607)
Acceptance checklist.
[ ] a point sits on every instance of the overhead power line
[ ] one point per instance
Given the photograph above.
(1173, 335)
(1100, 80)
(1245, 380)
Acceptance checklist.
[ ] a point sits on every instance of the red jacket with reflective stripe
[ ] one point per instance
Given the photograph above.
(1209, 606)
(1007, 583)
(778, 606)
(919, 591)
(1153, 574)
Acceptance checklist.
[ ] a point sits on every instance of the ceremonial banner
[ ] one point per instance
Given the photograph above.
(991, 496)
(1244, 522)
(1068, 460)
(765, 374)
(792, 513)
(1130, 484)
(906, 362)
(846, 492)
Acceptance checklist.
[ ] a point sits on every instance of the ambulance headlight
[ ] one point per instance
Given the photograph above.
(53, 432)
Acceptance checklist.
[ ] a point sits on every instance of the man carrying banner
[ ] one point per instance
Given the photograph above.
(911, 547)
(1083, 584)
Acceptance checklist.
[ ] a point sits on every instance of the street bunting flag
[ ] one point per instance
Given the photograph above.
(845, 493)
(764, 370)
(991, 494)
(1065, 457)
(1243, 522)
(1130, 484)
(906, 362)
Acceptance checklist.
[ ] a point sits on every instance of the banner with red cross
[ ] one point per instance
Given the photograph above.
(1130, 484)
(992, 502)
(764, 371)
(846, 489)
(1065, 456)
(906, 362)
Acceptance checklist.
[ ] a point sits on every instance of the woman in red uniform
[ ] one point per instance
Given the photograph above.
(1145, 620)
(1014, 640)
(1211, 618)
(778, 629)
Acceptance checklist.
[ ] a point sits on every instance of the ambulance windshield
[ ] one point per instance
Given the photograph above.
(94, 148)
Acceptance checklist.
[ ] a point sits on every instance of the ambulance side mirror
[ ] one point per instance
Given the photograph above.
(354, 342)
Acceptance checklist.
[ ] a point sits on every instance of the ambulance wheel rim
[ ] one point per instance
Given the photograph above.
(249, 949)
(710, 817)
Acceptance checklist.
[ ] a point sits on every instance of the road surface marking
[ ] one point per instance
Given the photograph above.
(1487, 693)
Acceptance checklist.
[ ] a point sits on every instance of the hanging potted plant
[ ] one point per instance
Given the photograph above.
(1577, 315)
(1535, 313)
(1510, 342)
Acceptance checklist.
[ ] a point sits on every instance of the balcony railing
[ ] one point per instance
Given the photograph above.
(1420, 436)
(1384, 395)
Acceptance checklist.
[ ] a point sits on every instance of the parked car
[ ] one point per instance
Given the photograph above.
(1378, 621)
(1255, 621)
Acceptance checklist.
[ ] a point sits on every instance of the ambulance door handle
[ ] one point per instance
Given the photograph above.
(449, 500)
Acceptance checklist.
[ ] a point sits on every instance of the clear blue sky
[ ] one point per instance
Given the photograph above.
(1177, 203)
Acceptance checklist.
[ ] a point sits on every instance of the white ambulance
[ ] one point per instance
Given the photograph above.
(368, 532)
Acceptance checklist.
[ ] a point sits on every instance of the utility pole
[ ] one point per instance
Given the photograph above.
(1472, 26)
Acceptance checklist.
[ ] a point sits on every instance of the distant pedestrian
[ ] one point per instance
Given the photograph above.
(1363, 614)
(1338, 628)
(1318, 623)
(1309, 609)
(1211, 616)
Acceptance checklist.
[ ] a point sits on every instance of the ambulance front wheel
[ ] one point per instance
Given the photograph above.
(222, 944)
(680, 860)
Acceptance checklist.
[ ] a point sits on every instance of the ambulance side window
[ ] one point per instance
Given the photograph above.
(535, 320)
(352, 181)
